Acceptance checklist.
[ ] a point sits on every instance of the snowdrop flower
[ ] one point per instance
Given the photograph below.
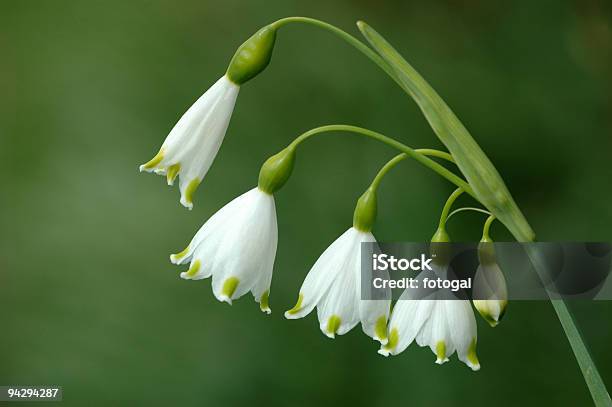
(237, 247)
(193, 143)
(445, 325)
(333, 284)
(490, 295)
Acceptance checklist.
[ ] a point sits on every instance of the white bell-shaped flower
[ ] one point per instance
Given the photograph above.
(193, 143)
(333, 286)
(237, 247)
(445, 325)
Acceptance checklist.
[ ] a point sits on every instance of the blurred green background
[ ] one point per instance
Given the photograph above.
(90, 89)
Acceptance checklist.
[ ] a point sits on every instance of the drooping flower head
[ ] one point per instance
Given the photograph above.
(437, 319)
(446, 326)
(333, 284)
(190, 148)
(192, 145)
(237, 245)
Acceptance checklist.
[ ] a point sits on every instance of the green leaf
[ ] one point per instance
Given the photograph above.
(591, 375)
(487, 184)
(471, 160)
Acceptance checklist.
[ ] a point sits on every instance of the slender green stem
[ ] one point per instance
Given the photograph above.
(486, 227)
(448, 205)
(467, 208)
(430, 152)
(596, 386)
(400, 157)
(421, 158)
(360, 46)
(385, 169)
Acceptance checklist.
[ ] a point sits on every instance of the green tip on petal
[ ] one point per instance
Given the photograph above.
(172, 172)
(263, 302)
(333, 324)
(391, 343)
(471, 356)
(154, 161)
(178, 256)
(193, 270)
(380, 329)
(441, 352)
(188, 198)
(229, 287)
(490, 320)
(298, 305)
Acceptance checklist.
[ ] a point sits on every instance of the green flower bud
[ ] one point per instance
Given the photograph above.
(489, 292)
(276, 170)
(252, 56)
(365, 211)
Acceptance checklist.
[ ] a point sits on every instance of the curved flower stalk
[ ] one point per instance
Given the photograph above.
(193, 143)
(333, 284)
(237, 247)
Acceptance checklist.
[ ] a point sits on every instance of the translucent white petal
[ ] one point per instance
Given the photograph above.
(373, 313)
(338, 312)
(440, 342)
(462, 325)
(237, 246)
(246, 249)
(194, 141)
(322, 275)
(408, 319)
(214, 226)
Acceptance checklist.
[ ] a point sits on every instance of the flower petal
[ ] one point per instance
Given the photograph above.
(321, 276)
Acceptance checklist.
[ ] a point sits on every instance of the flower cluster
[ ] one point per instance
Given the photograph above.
(237, 245)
